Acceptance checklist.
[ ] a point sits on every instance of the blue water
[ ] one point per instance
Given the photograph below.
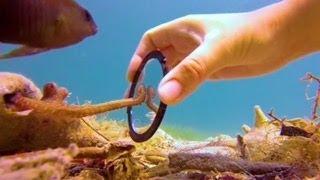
(95, 69)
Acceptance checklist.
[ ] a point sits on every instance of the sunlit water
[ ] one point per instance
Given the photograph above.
(95, 69)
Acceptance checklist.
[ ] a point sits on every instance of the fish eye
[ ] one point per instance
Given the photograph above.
(87, 15)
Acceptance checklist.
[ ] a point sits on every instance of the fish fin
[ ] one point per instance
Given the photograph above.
(22, 51)
(24, 113)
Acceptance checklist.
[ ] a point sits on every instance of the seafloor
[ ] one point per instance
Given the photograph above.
(261, 153)
(48, 144)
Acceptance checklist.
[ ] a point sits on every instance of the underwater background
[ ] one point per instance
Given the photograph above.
(95, 69)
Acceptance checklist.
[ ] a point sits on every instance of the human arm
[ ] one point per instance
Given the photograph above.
(230, 46)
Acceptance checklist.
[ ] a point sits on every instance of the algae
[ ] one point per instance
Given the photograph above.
(267, 155)
(183, 133)
(274, 148)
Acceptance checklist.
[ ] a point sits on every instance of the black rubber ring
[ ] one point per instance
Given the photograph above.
(162, 107)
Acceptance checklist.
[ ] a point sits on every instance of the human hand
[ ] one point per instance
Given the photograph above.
(217, 47)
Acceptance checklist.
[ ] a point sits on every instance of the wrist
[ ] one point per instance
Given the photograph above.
(291, 28)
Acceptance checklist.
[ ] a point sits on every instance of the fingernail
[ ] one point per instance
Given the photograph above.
(170, 91)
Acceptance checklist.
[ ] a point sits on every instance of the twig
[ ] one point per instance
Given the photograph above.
(96, 131)
(271, 114)
(316, 105)
(208, 162)
(289, 130)
(309, 77)
(241, 147)
(150, 95)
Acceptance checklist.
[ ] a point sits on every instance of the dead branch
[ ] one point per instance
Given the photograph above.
(316, 105)
(241, 147)
(107, 151)
(294, 131)
(150, 95)
(274, 117)
(48, 164)
(310, 78)
(209, 162)
(32, 159)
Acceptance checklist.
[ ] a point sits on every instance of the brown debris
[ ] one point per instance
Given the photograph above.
(108, 150)
(208, 162)
(271, 149)
(294, 131)
(241, 147)
(31, 120)
(48, 164)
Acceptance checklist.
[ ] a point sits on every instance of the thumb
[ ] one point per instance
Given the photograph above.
(186, 77)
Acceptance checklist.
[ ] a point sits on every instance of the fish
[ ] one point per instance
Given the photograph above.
(41, 25)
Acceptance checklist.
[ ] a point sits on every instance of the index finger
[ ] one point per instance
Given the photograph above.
(154, 39)
(145, 46)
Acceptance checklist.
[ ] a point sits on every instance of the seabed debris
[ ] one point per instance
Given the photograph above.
(274, 148)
